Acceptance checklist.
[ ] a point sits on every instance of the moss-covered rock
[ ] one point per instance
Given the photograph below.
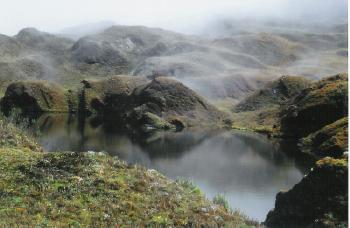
(173, 101)
(96, 94)
(277, 92)
(331, 140)
(319, 200)
(260, 111)
(162, 103)
(34, 97)
(323, 103)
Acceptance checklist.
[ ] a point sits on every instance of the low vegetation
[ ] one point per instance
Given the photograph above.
(94, 189)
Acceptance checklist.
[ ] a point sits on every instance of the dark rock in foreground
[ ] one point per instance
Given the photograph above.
(319, 200)
(34, 97)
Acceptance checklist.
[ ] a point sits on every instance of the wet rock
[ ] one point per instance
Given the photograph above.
(34, 97)
(318, 200)
(321, 104)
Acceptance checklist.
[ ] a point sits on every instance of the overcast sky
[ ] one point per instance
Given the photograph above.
(179, 15)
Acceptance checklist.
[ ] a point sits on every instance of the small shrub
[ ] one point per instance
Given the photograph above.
(222, 201)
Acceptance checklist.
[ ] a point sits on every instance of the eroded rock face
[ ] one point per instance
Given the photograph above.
(34, 97)
(319, 200)
(321, 104)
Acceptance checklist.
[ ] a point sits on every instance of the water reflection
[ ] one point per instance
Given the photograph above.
(247, 168)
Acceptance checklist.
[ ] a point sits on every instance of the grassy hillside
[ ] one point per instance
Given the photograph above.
(95, 189)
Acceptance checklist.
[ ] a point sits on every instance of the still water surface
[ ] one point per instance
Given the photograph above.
(246, 168)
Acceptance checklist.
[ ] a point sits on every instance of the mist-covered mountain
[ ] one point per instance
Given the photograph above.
(228, 63)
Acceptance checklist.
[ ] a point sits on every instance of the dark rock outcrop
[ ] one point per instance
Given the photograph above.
(331, 140)
(319, 200)
(34, 97)
(323, 103)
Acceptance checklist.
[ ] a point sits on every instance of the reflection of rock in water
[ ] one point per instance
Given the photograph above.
(172, 144)
(290, 148)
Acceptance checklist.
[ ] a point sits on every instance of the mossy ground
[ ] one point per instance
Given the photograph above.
(263, 121)
(62, 189)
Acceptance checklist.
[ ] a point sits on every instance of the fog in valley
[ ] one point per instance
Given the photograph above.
(223, 49)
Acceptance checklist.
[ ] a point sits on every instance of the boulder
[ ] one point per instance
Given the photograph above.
(34, 97)
(320, 199)
(321, 104)
(331, 140)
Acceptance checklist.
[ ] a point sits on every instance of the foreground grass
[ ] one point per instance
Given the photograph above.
(94, 189)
